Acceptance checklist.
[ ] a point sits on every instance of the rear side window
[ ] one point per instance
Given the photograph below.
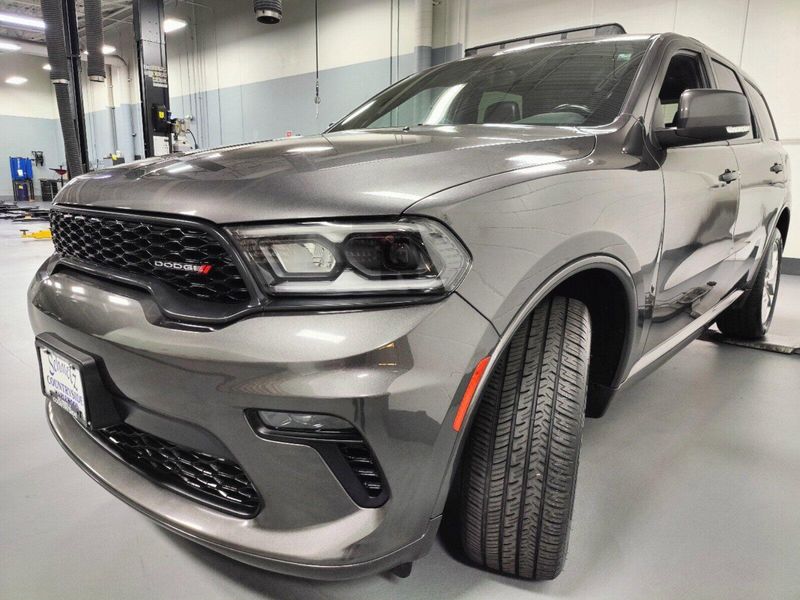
(727, 80)
(762, 111)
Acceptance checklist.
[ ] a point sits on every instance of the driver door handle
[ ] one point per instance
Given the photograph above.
(776, 168)
(728, 176)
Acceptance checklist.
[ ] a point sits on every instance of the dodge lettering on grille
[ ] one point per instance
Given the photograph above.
(179, 266)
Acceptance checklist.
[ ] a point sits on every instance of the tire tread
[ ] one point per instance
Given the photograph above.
(522, 454)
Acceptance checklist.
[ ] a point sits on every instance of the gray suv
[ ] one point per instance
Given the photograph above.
(300, 352)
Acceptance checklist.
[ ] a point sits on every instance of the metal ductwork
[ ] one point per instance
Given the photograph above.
(71, 146)
(56, 44)
(60, 75)
(94, 40)
(268, 11)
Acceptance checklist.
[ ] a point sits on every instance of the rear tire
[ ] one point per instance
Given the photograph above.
(751, 319)
(521, 459)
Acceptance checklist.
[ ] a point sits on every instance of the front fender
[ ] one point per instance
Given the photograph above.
(521, 234)
(529, 236)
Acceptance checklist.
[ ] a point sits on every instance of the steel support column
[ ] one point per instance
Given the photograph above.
(151, 54)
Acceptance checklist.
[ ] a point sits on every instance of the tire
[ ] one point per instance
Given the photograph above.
(752, 318)
(521, 459)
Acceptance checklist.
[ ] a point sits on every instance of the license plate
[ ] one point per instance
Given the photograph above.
(62, 383)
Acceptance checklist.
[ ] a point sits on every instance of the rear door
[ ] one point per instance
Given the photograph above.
(695, 270)
(761, 178)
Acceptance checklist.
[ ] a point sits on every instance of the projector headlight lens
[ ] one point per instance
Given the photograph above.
(413, 256)
(298, 257)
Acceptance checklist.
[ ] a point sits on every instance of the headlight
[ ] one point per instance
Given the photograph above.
(413, 256)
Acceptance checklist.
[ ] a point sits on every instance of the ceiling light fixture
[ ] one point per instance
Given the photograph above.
(21, 21)
(171, 24)
(16, 80)
(10, 46)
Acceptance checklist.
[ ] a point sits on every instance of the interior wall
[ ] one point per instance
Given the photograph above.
(244, 81)
(120, 91)
(28, 119)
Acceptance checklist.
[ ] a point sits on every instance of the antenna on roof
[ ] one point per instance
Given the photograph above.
(578, 33)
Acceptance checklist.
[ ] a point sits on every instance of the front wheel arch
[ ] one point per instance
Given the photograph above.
(561, 280)
(602, 394)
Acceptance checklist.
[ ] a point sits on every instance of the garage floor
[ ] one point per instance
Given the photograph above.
(689, 488)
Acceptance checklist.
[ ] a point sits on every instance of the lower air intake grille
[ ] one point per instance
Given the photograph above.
(216, 482)
(189, 260)
(364, 467)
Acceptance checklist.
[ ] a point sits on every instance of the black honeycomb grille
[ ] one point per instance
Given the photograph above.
(217, 482)
(135, 246)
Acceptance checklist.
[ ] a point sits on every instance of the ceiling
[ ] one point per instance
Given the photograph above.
(114, 11)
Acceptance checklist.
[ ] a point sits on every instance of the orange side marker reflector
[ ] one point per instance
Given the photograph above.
(477, 374)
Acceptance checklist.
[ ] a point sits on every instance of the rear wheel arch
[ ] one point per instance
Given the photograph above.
(783, 224)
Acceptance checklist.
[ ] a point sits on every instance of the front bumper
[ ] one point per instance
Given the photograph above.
(397, 374)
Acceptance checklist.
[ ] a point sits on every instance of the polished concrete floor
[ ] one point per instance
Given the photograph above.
(688, 488)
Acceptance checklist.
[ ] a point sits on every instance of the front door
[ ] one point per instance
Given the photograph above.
(701, 192)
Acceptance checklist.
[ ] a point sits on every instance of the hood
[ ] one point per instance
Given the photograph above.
(343, 174)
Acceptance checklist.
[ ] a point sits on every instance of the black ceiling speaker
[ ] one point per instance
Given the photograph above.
(268, 11)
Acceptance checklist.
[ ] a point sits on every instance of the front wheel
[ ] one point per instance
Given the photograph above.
(521, 459)
(752, 318)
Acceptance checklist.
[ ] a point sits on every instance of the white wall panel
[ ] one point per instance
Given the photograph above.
(719, 24)
(33, 99)
(28, 118)
(771, 55)
(237, 50)
(489, 21)
(637, 16)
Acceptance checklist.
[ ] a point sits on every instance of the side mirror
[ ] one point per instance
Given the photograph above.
(707, 116)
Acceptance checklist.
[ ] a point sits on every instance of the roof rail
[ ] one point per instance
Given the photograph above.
(589, 31)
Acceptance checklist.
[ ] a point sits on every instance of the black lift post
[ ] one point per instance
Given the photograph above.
(73, 48)
(151, 54)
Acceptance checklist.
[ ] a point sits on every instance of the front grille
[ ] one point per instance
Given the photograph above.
(135, 246)
(216, 482)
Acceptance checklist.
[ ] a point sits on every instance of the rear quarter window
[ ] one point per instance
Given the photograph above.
(759, 104)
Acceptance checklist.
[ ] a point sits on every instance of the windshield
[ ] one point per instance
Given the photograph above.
(580, 84)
